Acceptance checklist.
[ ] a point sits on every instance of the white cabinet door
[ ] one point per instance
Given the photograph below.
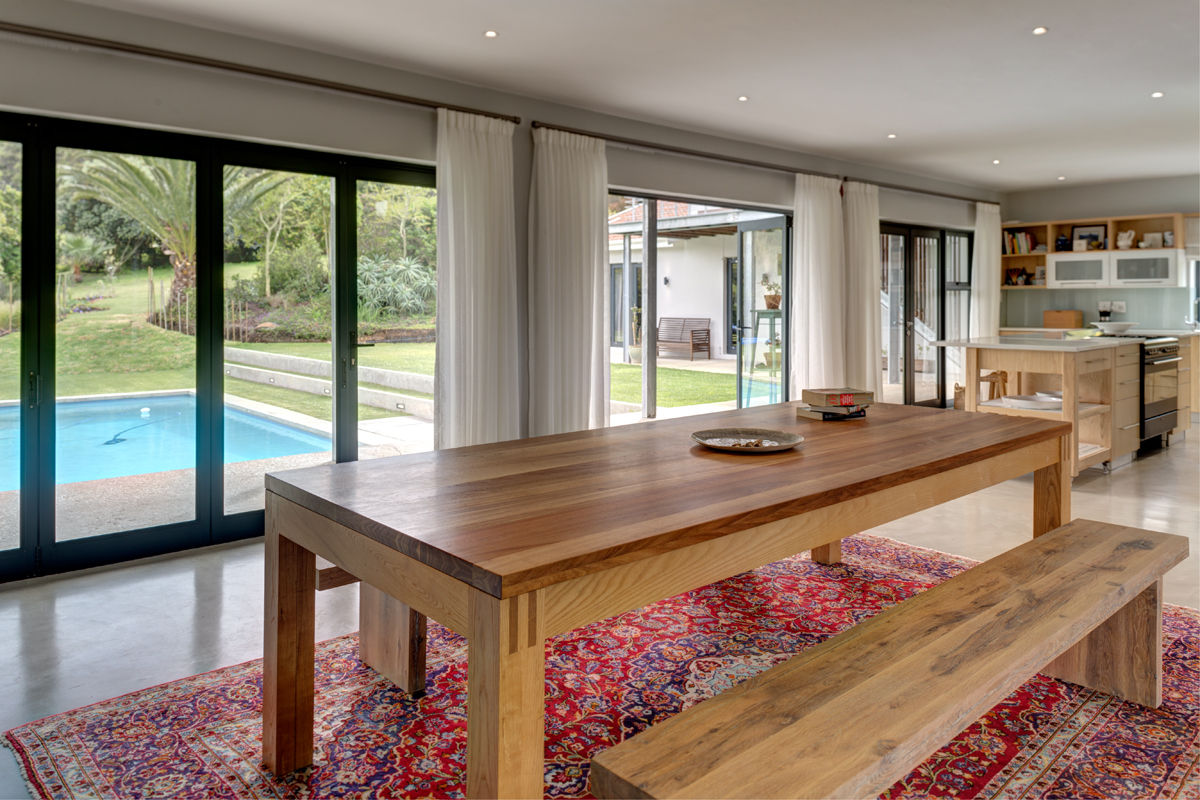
(1149, 267)
(1077, 269)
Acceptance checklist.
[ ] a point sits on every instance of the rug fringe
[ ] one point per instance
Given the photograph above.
(23, 764)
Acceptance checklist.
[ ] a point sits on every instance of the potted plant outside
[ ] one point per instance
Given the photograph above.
(772, 291)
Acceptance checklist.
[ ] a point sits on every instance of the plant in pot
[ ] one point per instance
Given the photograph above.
(773, 357)
(772, 291)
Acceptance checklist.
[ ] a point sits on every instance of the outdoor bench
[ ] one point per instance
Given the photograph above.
(852, 715)
(687, 333)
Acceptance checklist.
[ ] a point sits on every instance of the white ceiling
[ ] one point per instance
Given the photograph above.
(961, 82)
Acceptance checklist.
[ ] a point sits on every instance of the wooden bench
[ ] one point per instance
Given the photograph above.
(689, 333)
(851, 716)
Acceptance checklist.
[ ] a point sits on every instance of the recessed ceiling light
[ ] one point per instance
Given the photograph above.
(1062, 177)
(1039, 31)
(490, 34)
(891, 136)
(995, 161)
(1156, 95)
(742, 98)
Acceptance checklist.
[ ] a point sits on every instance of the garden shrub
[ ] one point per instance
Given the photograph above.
(401, 285)
(301, 273)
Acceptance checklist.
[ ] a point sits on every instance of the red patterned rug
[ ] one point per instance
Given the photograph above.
(200, 737)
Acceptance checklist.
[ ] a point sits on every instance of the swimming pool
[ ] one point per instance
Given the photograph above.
(135, 435)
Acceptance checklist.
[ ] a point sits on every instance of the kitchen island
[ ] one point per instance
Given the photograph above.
(1097, 378)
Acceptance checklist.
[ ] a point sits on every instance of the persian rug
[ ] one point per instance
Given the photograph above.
(201, 737)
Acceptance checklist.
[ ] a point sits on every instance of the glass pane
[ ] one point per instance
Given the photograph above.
(278, 324)
(125, 352)
(695, 366)
(1149, 268)
(892, 317)
(1080, 269)
(625, 308)
(925, 313)
(762, 342)
(10, 345)
(397, 305)
(958, 306)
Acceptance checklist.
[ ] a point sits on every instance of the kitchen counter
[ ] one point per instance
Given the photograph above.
(1040, 343)
(1180, 332)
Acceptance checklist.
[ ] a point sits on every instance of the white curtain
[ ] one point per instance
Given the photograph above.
(477, 378)
(985, 272)
(860, 210)
(568, 262)
(818, 286)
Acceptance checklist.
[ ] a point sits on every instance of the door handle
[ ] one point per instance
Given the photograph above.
(35, 389)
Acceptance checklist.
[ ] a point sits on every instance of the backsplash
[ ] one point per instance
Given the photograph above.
(1150, 308)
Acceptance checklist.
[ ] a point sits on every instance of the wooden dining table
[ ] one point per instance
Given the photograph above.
(512, 543)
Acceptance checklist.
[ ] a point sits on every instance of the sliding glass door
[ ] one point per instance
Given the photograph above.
(762, 354)
(925, 292)
(10, 348)
(180, 315)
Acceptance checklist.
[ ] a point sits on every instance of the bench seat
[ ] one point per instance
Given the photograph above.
(687, 333)
(851, 716)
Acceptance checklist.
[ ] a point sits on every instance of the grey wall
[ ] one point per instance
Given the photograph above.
(1123, 198)
(1150, 308)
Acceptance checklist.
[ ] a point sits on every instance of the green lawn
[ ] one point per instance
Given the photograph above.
(676, 387)
(116, 350)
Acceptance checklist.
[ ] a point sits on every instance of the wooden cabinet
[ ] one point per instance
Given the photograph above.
(1085, 377)
(1029, 254)
(1188, 351)
(1127, 401)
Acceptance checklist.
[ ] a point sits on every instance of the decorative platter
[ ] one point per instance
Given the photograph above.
(747, 440)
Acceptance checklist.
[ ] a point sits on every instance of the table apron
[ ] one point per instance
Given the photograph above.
(599, 595)
(417, 585)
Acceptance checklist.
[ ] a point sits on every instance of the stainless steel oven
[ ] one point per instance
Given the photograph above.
(1160, 386)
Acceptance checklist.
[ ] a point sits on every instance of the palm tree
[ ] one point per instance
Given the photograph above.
(160, 193)
(77, 249)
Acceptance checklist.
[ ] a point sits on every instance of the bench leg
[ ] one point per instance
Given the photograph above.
(828, 553)
(1123, 655)
(391, 639)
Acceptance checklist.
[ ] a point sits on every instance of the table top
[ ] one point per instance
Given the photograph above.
(514, 516)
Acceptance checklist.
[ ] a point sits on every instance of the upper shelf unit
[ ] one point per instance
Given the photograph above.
(1025, 245)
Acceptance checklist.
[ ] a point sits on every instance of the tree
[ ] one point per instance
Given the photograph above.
(160, 193)
(77, 249)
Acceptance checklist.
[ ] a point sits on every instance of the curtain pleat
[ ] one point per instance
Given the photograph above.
(985, 272)
(860, 209)
(818, 286)
(568, 262)
(477, 378)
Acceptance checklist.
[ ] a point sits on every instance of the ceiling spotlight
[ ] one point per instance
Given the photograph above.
(1062, 177)
(891, 136)
(995, 161)
(1156, 95)
(1040, 31)
(742, 98)
(490, 34)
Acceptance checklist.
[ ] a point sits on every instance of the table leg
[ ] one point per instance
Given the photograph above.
(1052, 491)
(506, 668)
(290, 606)
(828, 553)
(391, 639)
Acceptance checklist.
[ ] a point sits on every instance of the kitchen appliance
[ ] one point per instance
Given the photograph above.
(1160, 386)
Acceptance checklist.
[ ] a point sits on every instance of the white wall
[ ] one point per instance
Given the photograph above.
(696, 269)
(1117, 199)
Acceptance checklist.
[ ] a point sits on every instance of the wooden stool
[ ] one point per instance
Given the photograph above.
(997, 384)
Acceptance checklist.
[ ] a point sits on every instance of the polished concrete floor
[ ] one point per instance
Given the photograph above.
(72, 640)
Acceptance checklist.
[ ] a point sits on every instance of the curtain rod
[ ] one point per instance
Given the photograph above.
(667, 148)
(241, 69)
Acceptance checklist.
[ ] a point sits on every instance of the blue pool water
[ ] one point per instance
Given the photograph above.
(111, 438)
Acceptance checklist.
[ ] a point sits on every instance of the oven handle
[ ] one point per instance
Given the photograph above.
(1169, 360)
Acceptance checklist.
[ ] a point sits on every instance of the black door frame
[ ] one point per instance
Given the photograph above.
(40, 137)
(910, 232)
